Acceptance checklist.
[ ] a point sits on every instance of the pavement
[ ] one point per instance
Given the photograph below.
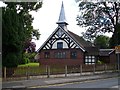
(32, 83)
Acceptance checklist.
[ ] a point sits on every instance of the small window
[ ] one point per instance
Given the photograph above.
(47, 55)
(60, 55)
(59, 45)
(93, 56)
(73, 55)
(93, 60)
(89, 59)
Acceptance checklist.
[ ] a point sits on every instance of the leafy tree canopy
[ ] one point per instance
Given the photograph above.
(17, 29)
(102, 41)
(99, 18)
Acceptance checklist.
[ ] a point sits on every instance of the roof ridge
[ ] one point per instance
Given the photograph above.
(107, 49)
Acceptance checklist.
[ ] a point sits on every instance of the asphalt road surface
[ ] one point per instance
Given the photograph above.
(102, 83)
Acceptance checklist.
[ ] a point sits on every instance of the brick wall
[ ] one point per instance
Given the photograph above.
(64, 61)
(113, 58)
(109, 59)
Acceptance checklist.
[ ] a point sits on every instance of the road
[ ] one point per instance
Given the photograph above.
(102, 83)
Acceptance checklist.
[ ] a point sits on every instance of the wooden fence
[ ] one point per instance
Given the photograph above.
(55, 71)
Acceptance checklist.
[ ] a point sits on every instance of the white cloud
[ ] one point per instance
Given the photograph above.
(2, 4)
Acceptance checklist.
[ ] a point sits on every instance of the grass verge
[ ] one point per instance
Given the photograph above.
(29, 64)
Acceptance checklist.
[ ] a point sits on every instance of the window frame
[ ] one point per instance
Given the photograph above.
(90, 59)
(73, 54)
(60, 55)
(59, 45)
(46, 55)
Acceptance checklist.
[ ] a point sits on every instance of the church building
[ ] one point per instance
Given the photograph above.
(64, 47)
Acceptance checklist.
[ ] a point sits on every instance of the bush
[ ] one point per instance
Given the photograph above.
(25, 60)
(27, 57)
(100, 62)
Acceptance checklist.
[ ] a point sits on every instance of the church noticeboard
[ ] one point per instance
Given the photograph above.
(117, 49)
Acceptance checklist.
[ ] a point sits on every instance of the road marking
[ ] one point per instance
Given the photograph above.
(18, 87)
(114, 87)
(45, 86)
(74, 82)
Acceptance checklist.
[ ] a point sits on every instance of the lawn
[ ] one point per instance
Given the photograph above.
(29, 64)
(35, 69)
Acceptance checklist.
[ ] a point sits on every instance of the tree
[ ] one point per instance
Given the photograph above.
(102, 41)
(17, 29)
(29, 52)
(29, 47)
(99, 18)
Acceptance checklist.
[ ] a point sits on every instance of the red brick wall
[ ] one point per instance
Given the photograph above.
(105, 59)
(113, 58)
(67, 61)
(109, 59)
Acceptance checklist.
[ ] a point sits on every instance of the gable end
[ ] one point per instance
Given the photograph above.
(56, 36)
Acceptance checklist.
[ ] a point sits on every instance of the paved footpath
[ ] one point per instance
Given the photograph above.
(51, 81)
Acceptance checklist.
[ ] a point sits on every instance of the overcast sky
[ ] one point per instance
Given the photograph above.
(46, 17)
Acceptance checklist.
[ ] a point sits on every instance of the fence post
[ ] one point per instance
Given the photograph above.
(81, 69)
(65, 70)
(4, 73)
(48, 71)
(115, 68)
(105, 67)
(27, 73)
(94, 69)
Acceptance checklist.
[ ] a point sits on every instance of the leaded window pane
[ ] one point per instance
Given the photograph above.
(89, 56)
(85, 56)
(89, 59)
(73, 55)
(93, 56)
(47, 54)
(60, 54)
(59, 45)
(93, 60)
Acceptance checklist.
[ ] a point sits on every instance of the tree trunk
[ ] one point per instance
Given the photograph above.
(115, 37)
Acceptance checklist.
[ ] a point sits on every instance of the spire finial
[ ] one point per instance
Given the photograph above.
(62, 18)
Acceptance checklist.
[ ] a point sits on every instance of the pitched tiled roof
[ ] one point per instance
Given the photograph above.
(80, 40)
(88, 46)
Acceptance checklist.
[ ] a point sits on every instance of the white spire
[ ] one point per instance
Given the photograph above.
(62, 18)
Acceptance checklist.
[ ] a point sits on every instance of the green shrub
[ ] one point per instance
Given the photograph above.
(100, 62)
(25, 60)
